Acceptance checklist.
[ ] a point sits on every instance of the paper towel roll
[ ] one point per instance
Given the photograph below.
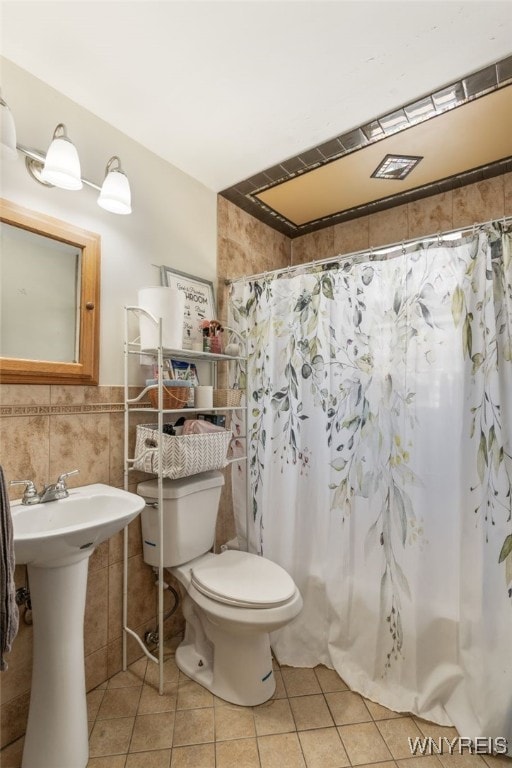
(167, 303)
(203, 397)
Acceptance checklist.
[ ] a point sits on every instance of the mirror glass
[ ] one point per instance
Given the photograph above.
(49, 299)
(40, 278)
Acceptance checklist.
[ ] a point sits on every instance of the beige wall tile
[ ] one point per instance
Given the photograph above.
(24, 448)
(313, 246)
(115, 543)
(142, 591)
(352, 236)
(95, 668)
(282, 251)
(479, 202)
(94, 699)
(507, 186)
(11, 756)
(430, 215)
(61, 394)
(24, 394)
(390, 226)
(80, 441)
(116, 450)
(96, 611)
(99, 558)
(13, 719)
(17, 678)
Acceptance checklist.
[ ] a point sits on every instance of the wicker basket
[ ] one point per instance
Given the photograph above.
(182, 455)
(173, 397)
(227, 398)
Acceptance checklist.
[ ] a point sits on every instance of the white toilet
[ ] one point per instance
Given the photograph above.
(232, 601)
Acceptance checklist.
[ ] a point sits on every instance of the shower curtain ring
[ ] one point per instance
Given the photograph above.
(438, 238)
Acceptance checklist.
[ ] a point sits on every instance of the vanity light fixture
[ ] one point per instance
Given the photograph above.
(8, 128)
(60, 166)
(115, 195)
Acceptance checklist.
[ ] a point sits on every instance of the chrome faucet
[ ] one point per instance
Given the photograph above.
(30, 495)
(51, 492)
(58, 490)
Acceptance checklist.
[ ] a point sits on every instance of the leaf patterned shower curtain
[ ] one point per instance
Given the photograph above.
(380, 443)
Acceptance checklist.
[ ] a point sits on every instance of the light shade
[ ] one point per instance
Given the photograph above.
(115, 195)
(62, 165)
(8, 128)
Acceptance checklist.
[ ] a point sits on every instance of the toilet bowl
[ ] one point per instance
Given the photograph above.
(231, 601)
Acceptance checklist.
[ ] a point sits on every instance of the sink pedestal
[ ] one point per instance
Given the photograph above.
(57, 731)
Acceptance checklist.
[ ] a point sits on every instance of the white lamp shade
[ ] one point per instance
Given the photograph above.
(8, 129)
(62, 165)
(115, 195)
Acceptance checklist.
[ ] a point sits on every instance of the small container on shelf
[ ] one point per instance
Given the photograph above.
(227, 398)
(175, 394)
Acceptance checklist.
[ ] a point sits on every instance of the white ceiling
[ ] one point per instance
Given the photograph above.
(223, 89)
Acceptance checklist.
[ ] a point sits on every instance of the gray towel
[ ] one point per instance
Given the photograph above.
(8, 607)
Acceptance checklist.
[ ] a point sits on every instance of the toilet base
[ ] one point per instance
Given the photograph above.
(236, 667)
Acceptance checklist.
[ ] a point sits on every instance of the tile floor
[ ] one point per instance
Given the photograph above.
(313, 721)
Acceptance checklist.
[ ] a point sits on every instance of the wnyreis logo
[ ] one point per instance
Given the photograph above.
(481, 745)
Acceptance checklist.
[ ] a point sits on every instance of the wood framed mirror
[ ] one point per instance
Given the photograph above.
(49, 299)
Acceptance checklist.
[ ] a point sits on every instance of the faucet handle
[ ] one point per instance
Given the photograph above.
(61, 480)
(30, 496)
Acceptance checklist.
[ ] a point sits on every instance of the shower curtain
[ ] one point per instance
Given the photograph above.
(380, 444)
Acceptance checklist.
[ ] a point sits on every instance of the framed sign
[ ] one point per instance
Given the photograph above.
(199, 303)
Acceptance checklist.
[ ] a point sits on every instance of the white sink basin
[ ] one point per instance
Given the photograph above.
(55, 541)
(61, 532)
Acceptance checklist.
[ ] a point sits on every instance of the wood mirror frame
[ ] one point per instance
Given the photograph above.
(85, 371)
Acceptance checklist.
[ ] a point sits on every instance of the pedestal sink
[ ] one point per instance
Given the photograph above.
(55, 541)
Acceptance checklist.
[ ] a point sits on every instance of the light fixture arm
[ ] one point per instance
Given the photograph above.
(38, 157)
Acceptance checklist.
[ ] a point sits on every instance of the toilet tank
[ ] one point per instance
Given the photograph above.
(190, 507)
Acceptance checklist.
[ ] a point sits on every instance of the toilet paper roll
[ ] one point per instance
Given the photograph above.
(203, 397)
(167, 303)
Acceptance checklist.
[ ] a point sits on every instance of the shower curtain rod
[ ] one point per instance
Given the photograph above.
(462, 231)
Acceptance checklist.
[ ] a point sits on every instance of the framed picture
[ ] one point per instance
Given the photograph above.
(199, 303)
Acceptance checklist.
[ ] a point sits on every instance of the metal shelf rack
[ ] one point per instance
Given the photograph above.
(131, 405)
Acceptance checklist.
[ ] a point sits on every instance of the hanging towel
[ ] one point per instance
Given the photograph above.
(8, 607)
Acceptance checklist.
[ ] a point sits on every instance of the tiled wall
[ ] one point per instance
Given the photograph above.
(46, 430)
(462, 207)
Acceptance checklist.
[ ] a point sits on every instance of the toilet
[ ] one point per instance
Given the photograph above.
(231, 601)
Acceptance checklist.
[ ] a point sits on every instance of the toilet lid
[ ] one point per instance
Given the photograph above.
(245, 580)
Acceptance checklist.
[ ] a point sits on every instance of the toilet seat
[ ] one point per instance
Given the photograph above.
(244, 580)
